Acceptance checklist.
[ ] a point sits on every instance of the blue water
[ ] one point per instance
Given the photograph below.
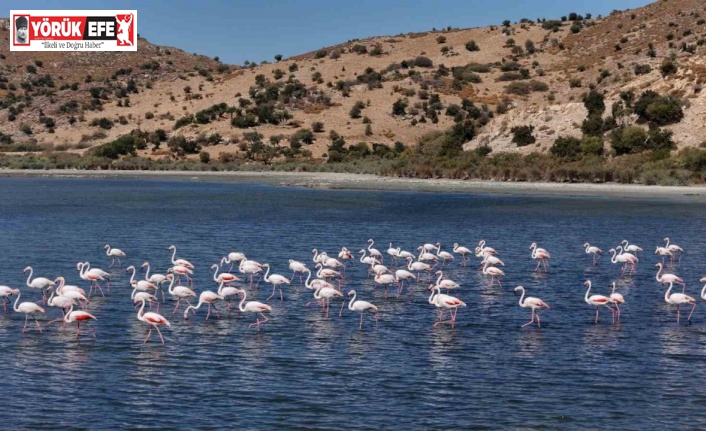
(303, 371)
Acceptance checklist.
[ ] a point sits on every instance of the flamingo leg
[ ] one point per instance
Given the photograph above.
(78, 328)
(340, 312)
(177, 305)
(149, 333)
(539, 322)
(160, 334)
(692, 308)
(531, 320)
(209, 311)
(360, 327)
(596, 315)
(677, 314)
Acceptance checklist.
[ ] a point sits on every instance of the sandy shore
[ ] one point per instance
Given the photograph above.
(345, 181)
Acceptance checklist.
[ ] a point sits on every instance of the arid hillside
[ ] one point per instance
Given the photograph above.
(383, 90)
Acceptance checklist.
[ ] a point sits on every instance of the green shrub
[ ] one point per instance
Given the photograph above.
(668, 67)
(510, 76)
(421, 61)
(471, 45)
(441, 39)
(642, 69)
(204, 157)
(660, 110)
(592, 145)
(518, 88)
(399, 107)
(566, 147)
(538, 85)
(522, 135)
(594, 102)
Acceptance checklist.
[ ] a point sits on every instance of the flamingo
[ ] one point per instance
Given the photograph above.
(345, 254)
(662, 251)
(180, 270)
(152, 319)
(373, 251)
(297, 266)
(597, 300)
(146, 296)
(393, 252)
(332, 263)
(362, 307)
(326, 272)
(318, 257)
(206, 297)
(425, 256)
(180, 292)
(71, 291)
(27, 308)
(385, 279)
(624, 259)
(93, 275)
(463, 251)
(444, 255)
(491, 261)
(493, 272)
(667, 278)
(249, 267)
(223, 277)
(326, 294)
(484, 249)
(679, 299)
(156, 279)
(533, 303)
(404, 254)
(595, 251)
(419, 266)
(673, 247)
(254, 307)
(541, 255)
(61, 302)
(78, 317)
(445, 283)
(316, 283)
(445, 302)
(114, 253)
(6, 292)
(368, 260)
(276, 280)
(617, 300)
(402, 275)
(179, 262)
(141, 285)
(429, 247)
(631, 248)
(40, 283)
(226, 292)
(378, 269)
(233, 256)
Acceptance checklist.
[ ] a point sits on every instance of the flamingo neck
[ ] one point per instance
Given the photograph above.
(317, 293)
(703, 292)
(588, 290)
(132, 277)
(362, 257)
(434, 292)
(173, 255)
(350, 303)
(371, 244)
(614, 258)
(17, 301)
(441, 274)
(132, 296)
(68, 313)
(141, 312)
(171, 285)
(522, 297)
(659, 272)
(241, 307)
(306, 282)
(667, 294)
(267, 274)
(107, 250)
(220, 288)
(29, 277)
(667, 241)
(214, 273)
(147, 273)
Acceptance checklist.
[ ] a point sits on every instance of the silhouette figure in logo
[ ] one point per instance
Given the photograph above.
(124, 30)
(21, 24)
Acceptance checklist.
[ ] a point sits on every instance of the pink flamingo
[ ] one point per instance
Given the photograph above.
(362, 307)
(595, 251)
(630, 248)
(624, 259)
(254, 307)
(393, 252)
(297, 266)
(223, 277)
(137, 296)
(6, 292)
(533, 303)
(156, 279)
(180, 270)
(666, 278)
(27, 308)
(345, 254)
(662, 251)
(276, 280)
(445, 283)
(179, 262)
(40, 283)
(93, 275)
(679, 299)
(374, 252)
(207, 297)
(541, 255)
(114, 253)
(597, 300)
(494, 273)
(401, 275)
(463, 251)
(233, 257)
(153, 319)
(483, 249)
(617, 300)
(419, 266)
(445, 256)
(78, 317)
(226, 292)
(385, 279)
(326, 294)
(445, 302)
(250, 267)
(72, 292)
(180, 292)
(673, 247)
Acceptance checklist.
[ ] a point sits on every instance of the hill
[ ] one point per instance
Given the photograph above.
(512, 87)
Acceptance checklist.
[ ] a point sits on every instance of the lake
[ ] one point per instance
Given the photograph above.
(304, 371)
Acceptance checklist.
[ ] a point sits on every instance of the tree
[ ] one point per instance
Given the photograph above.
(278, 57)
(522, 135)
(594, 103)
(399, 107)
(471, 45)
(529, 47)
(204, 157)
(566, 147)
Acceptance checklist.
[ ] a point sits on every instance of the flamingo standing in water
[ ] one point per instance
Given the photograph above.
(463, 251)
(61, 302)
(27, 308)
(667, 278)
(6, 292)
(325, 294)
(114, 253)
(345, 254)
(617, 299)
(41, 283)
(419, 266)
(223, 277)
(276, 280)
(156, 279)
(179, 262)
(673, 247)
(541, 255)
(662, 251)
(625, 259)
(362, 307)
(374, 252)
(254, 307)
(679, 299)
(180, 292)
(533, 303)
(93, 275)
(630, 248)
(226, 292)
(137, 296)
(494, 273)
(595, 251)
(249, 267)
(445, 256)
(445, 283)
(401, 275)
(207, 297)
(78, 317)
(385, 279)
(153, 319)
(393, 252)
(483, 249)
(233, 257)
(72, 292)
(597, 300)
(445, 302)
(297, 266)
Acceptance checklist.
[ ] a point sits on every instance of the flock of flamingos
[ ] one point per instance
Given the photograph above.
(330, 272)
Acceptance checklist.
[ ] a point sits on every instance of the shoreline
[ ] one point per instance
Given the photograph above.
(349, 181)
